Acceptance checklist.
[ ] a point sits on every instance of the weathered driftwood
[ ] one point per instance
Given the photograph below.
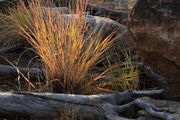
(119, 16)
(12, 71)
(162, 83)
(10, 49)
(92, 107)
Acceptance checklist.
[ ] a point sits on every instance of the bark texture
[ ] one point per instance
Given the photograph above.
(13, 71)
(92, 107)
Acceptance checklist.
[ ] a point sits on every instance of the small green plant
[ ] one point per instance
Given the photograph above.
(123, 75)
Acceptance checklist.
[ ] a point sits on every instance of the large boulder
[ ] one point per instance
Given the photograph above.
(155, 26)
(124, 39)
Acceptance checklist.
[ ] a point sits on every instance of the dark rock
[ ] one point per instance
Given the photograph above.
(155, 26)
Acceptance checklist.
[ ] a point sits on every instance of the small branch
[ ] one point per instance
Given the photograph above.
(151, 93)
(153, 111)
(162, 83)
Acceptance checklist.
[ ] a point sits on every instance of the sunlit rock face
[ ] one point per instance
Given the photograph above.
(155, 25)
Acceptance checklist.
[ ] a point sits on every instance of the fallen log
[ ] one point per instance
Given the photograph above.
(13, 48)
(118, 16)
(91, 107)
(13, 71)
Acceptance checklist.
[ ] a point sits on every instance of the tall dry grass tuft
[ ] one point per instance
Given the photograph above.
(67, 54)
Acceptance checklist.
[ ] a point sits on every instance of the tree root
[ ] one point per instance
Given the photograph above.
(162, 83)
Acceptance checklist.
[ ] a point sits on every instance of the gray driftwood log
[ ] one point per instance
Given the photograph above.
(11, 49)
(95, 10)
(92, 107)
(13, 71)
(119, 16)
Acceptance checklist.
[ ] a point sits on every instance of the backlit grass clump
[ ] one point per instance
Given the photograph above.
(67, 53)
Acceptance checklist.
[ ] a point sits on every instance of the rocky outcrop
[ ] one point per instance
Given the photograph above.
(155, 26)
